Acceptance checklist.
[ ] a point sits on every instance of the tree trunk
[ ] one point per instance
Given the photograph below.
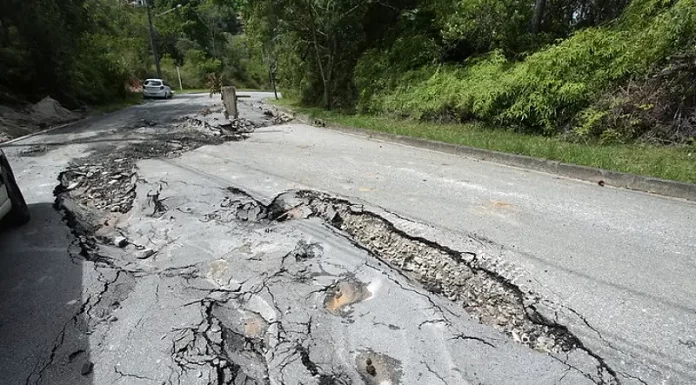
(4, 33)
(153, 44)
(275, 87)
(325, 81)
(539, 7)
(271, 79)
(327, 96)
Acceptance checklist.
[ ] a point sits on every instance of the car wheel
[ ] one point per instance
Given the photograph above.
(19, 214)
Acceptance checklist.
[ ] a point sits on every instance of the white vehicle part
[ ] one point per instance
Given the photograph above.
(5, 203)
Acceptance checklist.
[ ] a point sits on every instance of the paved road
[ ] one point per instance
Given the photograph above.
(614, 266)
(42, 277)
(624, 260)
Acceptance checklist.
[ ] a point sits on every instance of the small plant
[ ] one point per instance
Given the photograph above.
(214, 84)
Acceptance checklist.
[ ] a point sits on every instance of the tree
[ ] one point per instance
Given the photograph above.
(37, 44)
(326, 36)
(539, 6)
(265, 33)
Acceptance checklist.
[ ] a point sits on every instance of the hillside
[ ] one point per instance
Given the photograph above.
(605, 72)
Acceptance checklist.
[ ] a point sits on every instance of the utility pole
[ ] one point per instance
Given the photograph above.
(178, 73)
(152, 40)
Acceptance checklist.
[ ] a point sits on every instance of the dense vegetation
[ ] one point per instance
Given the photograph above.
(604, 70)
(88, 51)
(610, 71)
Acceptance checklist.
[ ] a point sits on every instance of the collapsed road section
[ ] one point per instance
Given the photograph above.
(213, 287)
(195, 282)
(458, 276)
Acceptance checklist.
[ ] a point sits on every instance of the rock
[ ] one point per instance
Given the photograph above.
(86, 368)
(144, 254)
(73, 185)
(285, 202)
(120, 242)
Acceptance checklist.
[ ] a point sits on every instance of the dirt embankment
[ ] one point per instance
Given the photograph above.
(17, 121)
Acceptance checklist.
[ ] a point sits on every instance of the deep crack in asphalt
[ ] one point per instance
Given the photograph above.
(106, 183)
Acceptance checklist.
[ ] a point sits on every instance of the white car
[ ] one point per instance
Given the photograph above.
(157, 88)
(13, 208)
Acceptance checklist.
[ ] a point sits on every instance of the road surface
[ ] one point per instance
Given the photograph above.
(606, 274)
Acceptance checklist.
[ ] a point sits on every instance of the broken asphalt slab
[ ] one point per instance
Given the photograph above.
(231, 293)
(619, 262)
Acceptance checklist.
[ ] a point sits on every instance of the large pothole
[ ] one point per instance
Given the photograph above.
(453, 274)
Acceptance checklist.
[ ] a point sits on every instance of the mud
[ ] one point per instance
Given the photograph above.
(341, 295)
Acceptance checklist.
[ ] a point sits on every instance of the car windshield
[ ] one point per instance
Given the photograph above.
(153, 83)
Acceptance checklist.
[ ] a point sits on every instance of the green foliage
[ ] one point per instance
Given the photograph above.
(194, 73)
(87, 51)
(315, 44)
(486, 60)
(380, 68)
(657, 109)
(591, 122)
(547, 90)
(208, 39)
(449, 92)
(484, 24)
(42, 35)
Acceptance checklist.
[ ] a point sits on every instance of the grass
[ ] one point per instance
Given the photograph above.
(666, 162)
(131, 98)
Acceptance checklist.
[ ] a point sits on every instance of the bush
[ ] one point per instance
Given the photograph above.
(547, 90)
(485, 25)
(380, 69)
(659, 109)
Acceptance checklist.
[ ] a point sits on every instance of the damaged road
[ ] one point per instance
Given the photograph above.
(240, 292)
(191, 275)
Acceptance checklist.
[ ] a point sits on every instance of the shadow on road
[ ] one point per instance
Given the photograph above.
(40, 302)
(160, 111)
(78, 141)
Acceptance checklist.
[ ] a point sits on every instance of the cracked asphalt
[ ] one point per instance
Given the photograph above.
(166, 250)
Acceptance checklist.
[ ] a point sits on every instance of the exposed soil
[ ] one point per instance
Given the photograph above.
(23, 120)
